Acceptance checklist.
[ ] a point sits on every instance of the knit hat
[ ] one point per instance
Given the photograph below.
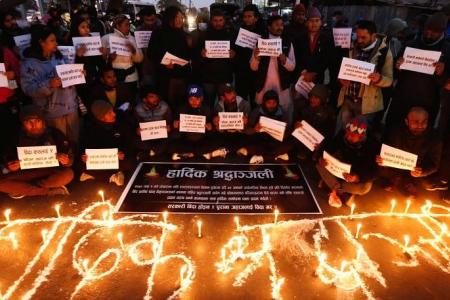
(195, 90)
(31, 112)
(100, 108)
(395, 26)
(357, 126)
(271, 95)
(321, 91)
(299, 9)
(313, 12)
(436, 22)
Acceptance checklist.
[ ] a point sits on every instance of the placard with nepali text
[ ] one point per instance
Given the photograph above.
(247, 39)
(397, 158)
(192, 123)
(92, 43)
(231, 120)
(273, 127)
(34, 157)
(308, 135)
(142, 38)
(118, 45)
(419, 60)
(153, 130)
(102, 159)
(335, 166)
(217, 49)
(269, 47)
(72, 74)
(342, 37)
(356, 70)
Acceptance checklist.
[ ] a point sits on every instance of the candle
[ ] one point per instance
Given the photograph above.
(444, 230)
(182, 273)
(406, 238)
(393, 204)
(236, 221)
(7, 214)
(358, 229)
(105, 215)
(199, 228)
(57, 209)
(408, 204)
(429, 205)
(276, 213)
(85, 265)
(352, 210)
(120, 238)
(165, 214)
(102, 195)
(12, 237)
(343, 265)
(44, 234)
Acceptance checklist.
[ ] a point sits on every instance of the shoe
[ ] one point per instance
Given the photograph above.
(207, 156)
(18, 196)
(440, 185)
(256, 159)
(117, 178)
(242, 152)
(176, 156)
(334, 200)
(222, 152)
(284, 157)
(151, 153)
(58, 191)
(85, 176)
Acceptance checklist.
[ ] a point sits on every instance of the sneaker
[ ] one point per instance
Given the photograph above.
(440, 185)
(242, 152)
(207, 156)
(151, 153)
(85, 176)
(334, 200)
(16, 196)
(58, 191)
(222, 152)
(256, 159)
(117, 178)
(284, 157)
(176, 156)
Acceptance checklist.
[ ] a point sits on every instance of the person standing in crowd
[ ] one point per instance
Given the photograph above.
(216, 72)
(171, 79)
(10, 29)
(355, 98)
(395, 36)
(274, 73)
(39, 81)
(244, 76)
(297, 26)
(125, 66)
(40, 181)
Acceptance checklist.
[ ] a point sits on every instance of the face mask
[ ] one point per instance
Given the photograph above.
(202, 26)
(353, 36)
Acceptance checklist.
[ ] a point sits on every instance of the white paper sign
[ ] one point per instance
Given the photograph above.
(153, 130)
(231, 120)
(172, 59)
(247, 39)
(396, 158)
(37, 157)
(68, 53)
(142, 38)
(23, 41)
(342, 37)
(119, 46)
(335, 166)
(92, 43)
(71, 74)
(102, 159)
(192, 123)
(141, 2)
(3, 79)
(304, 87)
(273, 127)
(269, 47)
(217, 49)
(95, 33)
(421, 61)
(308, 135)
(356, 70)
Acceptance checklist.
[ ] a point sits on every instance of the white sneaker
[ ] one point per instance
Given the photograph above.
(151, 153)
(207, 156)
(284, 157)
(222, 152)
(85, 176)
(117, 178)
(256, 159)
(176, 156)
(242, 151)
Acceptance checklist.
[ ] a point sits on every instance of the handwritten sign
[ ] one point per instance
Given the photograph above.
(217, 49)
(356, 70)
(172, 59)
(71, 74)
(421, 61)
(141, 2)
(231, 120)
(3, 79)
(192, 123)
(335, 166)
(102, 159)
(269, 47)
(396, 158)
(37, 157)
(153, 130)
(247, 39)
(308, 135)
(142, 38)
(342, 37)
(23, 41)
(273, 127)
(92, 43)
(119, 46)
(68, 53)
(304, 87)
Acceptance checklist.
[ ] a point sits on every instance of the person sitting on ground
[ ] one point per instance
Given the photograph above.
(414, 136)
(152, 109)
(353, 146)
(104, 131)
(262, 145)
(40, 181)
(190, 144)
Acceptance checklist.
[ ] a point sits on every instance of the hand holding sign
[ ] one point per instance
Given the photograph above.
(356, 70)
(269, 47)
(334, 166)
(71, 74)
(418, 60)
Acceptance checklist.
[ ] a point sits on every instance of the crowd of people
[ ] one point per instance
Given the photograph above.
(404, 109)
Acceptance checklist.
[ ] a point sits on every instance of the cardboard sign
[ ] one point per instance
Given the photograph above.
(308, 135)
(396, 158)
(153, 130)
(37, 157)
(23, 41)
(304, 87)
(192, 123)
(342, 37)
(92, 43)
(231, 120)
(68, 53)
(269, 47)
(335, 166)
(71, 74)
(273, 127)
(247, 39)
(119, 46)
(142, 38)
(3, 79)
(217, 49)
(102, 159)
(421, 61)
(356, 70)
(172, 59)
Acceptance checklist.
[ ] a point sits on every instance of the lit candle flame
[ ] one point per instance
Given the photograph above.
(199, 228)
(236, 221)
(358, 229)
(406, 238)
(165, 215)
(58, 209)
(8, 215)
(44, 234)
(86, 265)
(276, 213)
(343, 265)
(14, 242)
(393, 204)
(408, 204)
(352, 209)
(120, 238)
(105, 215)
(102, 195)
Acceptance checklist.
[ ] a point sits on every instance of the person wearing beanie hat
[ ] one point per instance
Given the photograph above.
(45, 181)
(356, 147)
(395, 35)
(296, 26)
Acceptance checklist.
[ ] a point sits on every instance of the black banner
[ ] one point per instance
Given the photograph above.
(218, 189)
